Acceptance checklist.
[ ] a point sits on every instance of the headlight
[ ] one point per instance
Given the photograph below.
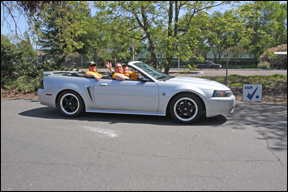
(222, 93)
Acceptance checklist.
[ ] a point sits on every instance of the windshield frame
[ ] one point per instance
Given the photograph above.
(151, 71)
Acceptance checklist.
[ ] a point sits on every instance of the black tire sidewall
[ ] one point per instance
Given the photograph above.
(191, 96)
(81, 104)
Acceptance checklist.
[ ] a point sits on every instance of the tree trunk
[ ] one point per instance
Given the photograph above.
(167, 67)
(170, 16)
(254, 58)
(146, 27)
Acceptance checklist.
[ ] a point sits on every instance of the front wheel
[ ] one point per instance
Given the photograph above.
(186, 108)
(70, 104)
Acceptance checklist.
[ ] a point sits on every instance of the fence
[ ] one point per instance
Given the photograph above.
(81, 60)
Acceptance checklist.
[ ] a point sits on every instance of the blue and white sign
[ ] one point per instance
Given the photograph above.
(252, 92)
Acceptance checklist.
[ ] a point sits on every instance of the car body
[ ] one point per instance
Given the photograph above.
(208, 64)
(154, 93)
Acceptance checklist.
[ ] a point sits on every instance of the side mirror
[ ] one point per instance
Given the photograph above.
(142, 79)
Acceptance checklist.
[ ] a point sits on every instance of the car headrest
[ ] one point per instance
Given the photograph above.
(111, 73)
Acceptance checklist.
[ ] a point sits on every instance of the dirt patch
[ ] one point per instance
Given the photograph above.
(17, 94)
(269, 95)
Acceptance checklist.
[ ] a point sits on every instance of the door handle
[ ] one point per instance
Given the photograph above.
(103, 84)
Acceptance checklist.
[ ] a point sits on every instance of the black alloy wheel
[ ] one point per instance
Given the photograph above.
(70, 104)
(186, 108)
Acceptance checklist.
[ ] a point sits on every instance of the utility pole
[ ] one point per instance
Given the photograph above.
(227, 70)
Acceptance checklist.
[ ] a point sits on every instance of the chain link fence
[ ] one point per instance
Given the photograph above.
(81, 60)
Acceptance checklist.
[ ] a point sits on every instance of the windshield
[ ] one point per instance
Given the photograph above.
(151, 71)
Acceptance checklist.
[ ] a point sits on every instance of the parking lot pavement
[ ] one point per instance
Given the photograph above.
(270, 121)
(42, 150)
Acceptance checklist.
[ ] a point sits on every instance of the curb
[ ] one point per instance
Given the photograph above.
(191, 72)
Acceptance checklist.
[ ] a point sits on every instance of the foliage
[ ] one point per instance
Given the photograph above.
(17, 72)
(10, 55)
(238, 80)
(25, 8)
(60, 27)
(193, 67)
(222, 36)
(158, 25)
(279, 61)
(171, 29)
(26, 46)
(267, 26)
(264, 65)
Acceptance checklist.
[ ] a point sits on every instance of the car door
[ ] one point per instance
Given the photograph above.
(210, 65)
(127, 95)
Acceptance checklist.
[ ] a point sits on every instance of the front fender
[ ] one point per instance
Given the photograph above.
(166, 94)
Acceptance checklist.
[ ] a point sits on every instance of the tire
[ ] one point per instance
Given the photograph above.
(216, 67)
(70, 104)
(186, 108)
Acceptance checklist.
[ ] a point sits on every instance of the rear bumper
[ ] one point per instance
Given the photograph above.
(46, 98)
(220, 105)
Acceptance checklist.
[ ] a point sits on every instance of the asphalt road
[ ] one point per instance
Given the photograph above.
(42, 150)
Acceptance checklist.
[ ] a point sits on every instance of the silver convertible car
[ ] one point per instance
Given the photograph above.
(153, 93)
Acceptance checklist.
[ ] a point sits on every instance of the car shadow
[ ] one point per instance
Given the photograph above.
(52, 113)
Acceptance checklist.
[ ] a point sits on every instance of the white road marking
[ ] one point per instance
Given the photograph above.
(102, 132)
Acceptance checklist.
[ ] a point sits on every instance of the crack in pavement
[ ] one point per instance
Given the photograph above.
(185, 158)
(262, 132)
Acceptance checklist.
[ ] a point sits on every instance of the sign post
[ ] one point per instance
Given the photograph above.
(227, 70)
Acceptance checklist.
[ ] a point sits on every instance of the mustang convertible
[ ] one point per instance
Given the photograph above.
(153, 93)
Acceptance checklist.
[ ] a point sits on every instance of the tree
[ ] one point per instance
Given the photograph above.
(60, 27)
(238, 51)
(158, 23)
(277, 61)
(10, 56)
(266, 25)
(26, 46)
(221, 36)
(25, 8)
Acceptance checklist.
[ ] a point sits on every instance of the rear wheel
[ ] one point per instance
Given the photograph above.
(70, 104)
(186, 108)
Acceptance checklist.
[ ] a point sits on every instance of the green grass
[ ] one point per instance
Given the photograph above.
(238, 80)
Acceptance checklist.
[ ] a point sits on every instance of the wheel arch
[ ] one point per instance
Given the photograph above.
(59, 93)
(185, 92)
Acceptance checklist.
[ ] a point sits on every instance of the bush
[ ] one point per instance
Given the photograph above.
(264, 65)
(193, 67)
(278, 61)
(17, 73)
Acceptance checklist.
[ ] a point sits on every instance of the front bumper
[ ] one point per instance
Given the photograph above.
(220, 105)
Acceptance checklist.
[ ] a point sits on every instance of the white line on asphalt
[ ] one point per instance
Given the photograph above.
(103, 132)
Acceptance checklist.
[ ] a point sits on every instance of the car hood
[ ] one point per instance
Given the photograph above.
(198, 82)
